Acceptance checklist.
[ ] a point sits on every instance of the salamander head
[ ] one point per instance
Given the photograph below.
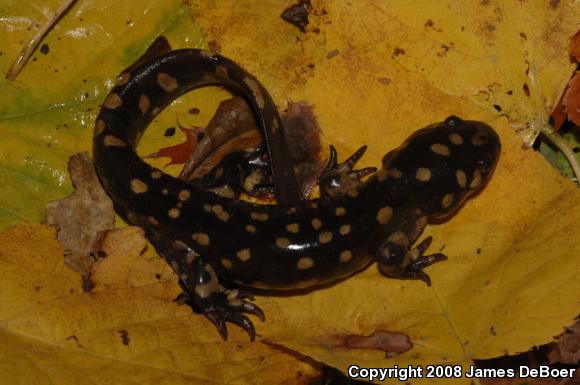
(443, 164)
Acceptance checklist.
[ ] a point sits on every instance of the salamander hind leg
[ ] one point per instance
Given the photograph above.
(396, 259)
(203, 292)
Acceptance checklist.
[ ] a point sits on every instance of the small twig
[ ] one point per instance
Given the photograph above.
(563, 146)
(29, 49)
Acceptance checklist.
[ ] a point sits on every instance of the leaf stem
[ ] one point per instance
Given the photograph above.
(563, 146)
(29, 49)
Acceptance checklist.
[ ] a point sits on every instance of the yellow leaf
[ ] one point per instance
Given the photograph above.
(375, 72)
(127, 330)
(47, 113)
(512, 264)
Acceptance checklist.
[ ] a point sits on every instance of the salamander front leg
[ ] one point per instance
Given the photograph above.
(339, 179)
(203, 292)
(396, 260)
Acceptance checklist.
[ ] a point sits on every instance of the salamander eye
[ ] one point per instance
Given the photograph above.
(485, 163)
(453, 121)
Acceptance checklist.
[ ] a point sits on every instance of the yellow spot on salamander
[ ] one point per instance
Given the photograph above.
(138, 186)
(219, 212)
(399, 238)
(244, 255)
(123, 78)
(174, 213)
(99, 126)
(476, 181)
(447, 200)
(113, 141)
(226, 263)
(144, 103)
(305, 263)
(440, 149)
(282, 242)
(345, 229)
(201, 238)
(167, 82)
(263, 217)
(184, 195)
(345, 256)
(384, 215)
(156, 174)
(293, 228)
(456, 139)
(339, 211)
(395, 173)
(223, 191)
(423, 174)
(251, 229)
(316, 223)
(113, 101)
(325, 237)
(461, 178)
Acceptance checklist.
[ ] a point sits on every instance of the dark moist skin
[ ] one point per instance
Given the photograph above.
(204, 236)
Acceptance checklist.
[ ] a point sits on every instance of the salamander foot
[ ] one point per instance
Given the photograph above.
(396, 260)
(227, 305)
(203, 293)
(339, 179)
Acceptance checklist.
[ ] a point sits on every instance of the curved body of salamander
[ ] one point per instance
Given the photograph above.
(204, 236)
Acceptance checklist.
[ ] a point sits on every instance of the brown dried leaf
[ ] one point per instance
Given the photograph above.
(575, 46)
(303, 137)
(233, 128)
(232, 118)
(569, 104)
(392, 343)
(571, 99)
(558, 115)
(81, 217)
(566, 350)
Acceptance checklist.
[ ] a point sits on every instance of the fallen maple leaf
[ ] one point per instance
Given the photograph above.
(180, 153)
